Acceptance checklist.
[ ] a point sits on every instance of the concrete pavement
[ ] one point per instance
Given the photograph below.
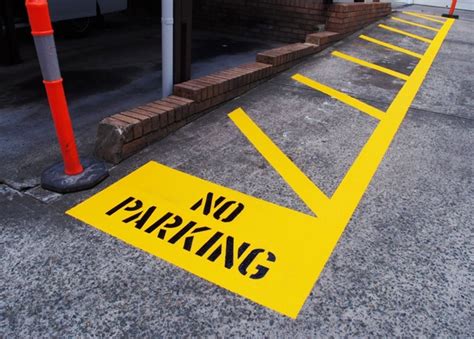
(402, 267)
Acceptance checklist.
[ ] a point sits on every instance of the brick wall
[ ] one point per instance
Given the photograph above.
(279, 20)
(283, 20)
(349, 17)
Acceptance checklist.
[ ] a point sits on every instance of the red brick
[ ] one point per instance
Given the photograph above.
(188, 90)
(144, 118)
(285, 54)
(167, 108)
(208, 87)
(155, 119)
(136, 124)
(133, 147)
(322, 38)
(178, 107)
(183, 103)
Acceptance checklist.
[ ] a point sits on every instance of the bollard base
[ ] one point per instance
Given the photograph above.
(450, 16)
(54, 179)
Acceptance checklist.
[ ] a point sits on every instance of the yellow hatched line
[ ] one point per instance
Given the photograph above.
(426, 17)
(370, 65)
(411, 35)
(311, 195)
(343, 97)
(390, 46)
(347, 196)
(415, 24)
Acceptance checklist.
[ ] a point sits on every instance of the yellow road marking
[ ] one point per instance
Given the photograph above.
(370, 65)
(347, 196)
(311, 195)
(343, 97)
(390, 46)
(411, 35)
(268, 253)
(415, 24)
(423, 16)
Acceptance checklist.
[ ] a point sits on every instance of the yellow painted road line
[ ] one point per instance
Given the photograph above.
(370, 65)
(349, 193)
(343, 97)
(311, 195)
(415, 24)
(390, 46)
(422, 16)
(411, 35)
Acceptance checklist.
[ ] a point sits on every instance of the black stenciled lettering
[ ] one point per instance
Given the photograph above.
(204, 248)
(188, 242)
(210, 204)
(173, 224)
(177, 222)
(217, 246)
(229, 252)
(141, 222)
(232, 215)
(158, 223)
(181, 232)
(261, 270)
(138, 204)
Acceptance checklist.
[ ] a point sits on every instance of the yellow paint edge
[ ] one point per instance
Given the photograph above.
(343, 97)
(426, 17)
(390, 46)
(415, 24)
(311, 195)
(408, 34)
(370, 65)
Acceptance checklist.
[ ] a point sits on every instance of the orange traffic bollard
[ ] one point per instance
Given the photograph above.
(71, 175)
(451, 11)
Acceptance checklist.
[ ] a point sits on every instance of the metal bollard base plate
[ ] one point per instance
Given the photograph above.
(54, 179)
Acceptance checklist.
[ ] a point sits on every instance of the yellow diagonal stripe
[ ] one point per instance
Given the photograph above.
(408, 34)
(311, 195)
(415, 24)
(390, 46)
(424, 16)
(343, 97)
(370, 65)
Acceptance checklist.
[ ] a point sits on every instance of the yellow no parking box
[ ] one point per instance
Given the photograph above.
(262, 251)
